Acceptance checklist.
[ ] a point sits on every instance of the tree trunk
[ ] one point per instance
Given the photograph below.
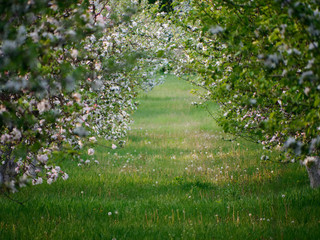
(313, 168)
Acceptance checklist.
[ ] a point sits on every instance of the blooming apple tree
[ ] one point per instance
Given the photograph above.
(69, 73)
(260, 61)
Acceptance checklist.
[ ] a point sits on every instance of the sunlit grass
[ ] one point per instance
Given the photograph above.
(177, 178)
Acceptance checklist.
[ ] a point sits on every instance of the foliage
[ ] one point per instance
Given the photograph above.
(260, 61)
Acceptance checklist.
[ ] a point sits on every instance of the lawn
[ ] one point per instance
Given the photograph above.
(178, 177)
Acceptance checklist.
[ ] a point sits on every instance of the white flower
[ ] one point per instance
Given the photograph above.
(43, 158)
(16, 134)
(80, 144)
(109, 213)
(113, 146)
(65, 176)
(87, 162)
(43, 106)
(92, 139)
(2, 109)
(50, 180)
(216, 29)
(37, 181)
(76, 97)
(5, 138)
(90, 151)
(96, 161)
(74, 53)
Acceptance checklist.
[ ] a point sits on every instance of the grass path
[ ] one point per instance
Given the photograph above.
(177, 178)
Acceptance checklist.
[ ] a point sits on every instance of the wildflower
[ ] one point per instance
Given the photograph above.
(114, 146)
(92, 139)
(109, 213)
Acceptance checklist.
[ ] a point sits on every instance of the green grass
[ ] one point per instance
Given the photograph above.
(177, 178)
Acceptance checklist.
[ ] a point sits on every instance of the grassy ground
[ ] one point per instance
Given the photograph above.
(177, 178)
